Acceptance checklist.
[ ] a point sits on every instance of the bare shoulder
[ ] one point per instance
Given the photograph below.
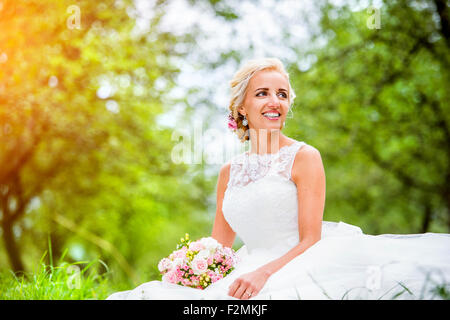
(224, 174)
(307, 161)
(225, 169)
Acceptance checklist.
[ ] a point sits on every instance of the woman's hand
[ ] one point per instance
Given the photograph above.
(251, 282)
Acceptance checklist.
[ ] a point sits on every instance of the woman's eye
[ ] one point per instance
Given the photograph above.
(283, 94)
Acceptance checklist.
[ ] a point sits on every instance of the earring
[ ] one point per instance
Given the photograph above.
(245, 121)
(292, 113)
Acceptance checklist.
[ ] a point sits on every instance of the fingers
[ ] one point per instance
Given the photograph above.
(240, 292)
(236, 288)
(250, 289)
(240, 289)
(233, 288)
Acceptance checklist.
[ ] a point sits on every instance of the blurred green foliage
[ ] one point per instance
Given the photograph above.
(84, 162)
(375, 103)
(90, 168)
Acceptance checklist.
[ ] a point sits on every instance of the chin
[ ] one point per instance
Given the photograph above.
(270, 126)
(275, 126)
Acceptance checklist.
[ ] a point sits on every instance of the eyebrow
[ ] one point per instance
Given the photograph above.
(281, 89)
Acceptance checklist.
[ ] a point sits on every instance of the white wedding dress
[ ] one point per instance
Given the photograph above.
(260, 205)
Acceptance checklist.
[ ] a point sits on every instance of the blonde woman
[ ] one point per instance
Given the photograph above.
(273, 198)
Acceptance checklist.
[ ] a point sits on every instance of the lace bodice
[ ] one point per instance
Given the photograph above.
(260, 202)
(249, 167)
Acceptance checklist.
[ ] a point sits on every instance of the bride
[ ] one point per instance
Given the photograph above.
(273, 198)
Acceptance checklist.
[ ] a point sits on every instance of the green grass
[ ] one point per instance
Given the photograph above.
(65, 281)
(81, 281)
(92, 280)
(431, 290)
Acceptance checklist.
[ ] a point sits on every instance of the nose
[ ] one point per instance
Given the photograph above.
(273, 100)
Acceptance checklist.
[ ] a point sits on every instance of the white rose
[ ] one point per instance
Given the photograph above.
(178, 262)
(210, 244)
(164, 264)
(203, 254)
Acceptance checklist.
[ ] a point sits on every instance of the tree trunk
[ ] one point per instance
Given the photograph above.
(447, 196)
(11, 247)
(426, 218)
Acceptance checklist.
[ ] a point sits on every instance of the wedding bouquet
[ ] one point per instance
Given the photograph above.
(197, 264)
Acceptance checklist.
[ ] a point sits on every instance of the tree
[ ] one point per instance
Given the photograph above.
(78, 107)
(379, 100)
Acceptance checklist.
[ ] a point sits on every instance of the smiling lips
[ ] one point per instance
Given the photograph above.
(272, 115)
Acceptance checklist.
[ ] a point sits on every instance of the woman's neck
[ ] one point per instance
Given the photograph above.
(265, 141)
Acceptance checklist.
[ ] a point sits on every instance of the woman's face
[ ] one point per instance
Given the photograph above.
(267, 93)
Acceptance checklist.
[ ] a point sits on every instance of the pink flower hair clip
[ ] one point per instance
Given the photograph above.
(232, 125)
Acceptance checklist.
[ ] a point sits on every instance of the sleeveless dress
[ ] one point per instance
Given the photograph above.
(261, 206)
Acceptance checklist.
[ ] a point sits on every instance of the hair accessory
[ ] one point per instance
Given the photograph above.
(232, 125)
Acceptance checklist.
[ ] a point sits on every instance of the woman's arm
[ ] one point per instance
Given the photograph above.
(222, 231)
(309, 175)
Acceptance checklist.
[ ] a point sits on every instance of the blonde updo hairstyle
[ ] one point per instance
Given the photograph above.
(239, 85)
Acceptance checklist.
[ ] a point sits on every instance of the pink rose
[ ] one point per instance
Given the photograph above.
(196, 246)
(181, 253)
(170, 277)
(199, 265)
